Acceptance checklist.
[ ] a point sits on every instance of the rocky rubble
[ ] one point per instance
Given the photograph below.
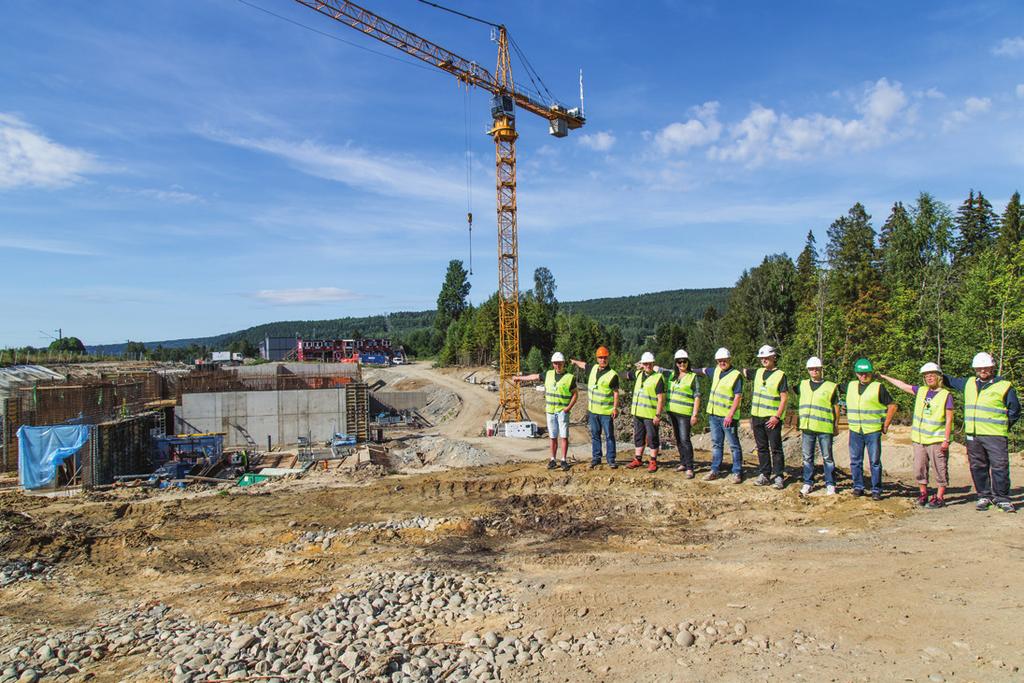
(381, 631)
(23, 570)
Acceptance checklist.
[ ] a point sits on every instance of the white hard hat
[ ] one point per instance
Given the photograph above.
(813, 362)
(647, 357)
(681, 354)
(930, 367)
(983, 360)
(766, 351)
(557, 357)
(722, 354)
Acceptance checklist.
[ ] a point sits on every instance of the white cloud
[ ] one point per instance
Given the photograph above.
(45, 246)
(1020, 91)
(704, 128)
(367, 170)
(1009, 47)
(972, 107)
(309, 295)
(29, 159)
(173, 195)
(764, 134)
(930, 94)
(602, 141)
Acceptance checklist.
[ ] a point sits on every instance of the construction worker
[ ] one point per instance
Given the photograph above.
(648, 404)
(602, 406)
(869, 411)
(723, 413)
(683, 408)
(930, 431)
(819, 420)
(991, 408)
(767, 411)
(560, 395)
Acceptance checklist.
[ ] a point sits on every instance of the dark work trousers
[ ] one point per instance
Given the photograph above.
(990, 466)
(770, 460)
(681, 428)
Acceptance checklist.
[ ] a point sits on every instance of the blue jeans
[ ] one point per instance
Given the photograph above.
(810, 439)
(873, 443)
(718, 433)
(599, 423)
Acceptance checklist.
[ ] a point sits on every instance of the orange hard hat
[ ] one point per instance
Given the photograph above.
(602, 351)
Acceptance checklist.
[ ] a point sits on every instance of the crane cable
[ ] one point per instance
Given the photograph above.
(469, 176)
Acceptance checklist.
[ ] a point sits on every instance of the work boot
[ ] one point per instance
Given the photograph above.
(779, 484)
(805, 489)
(652, 466)
(762, 480)
(711, 476)
(552, 464)
(737, 479)
(876, 495)
(688, 474)
(1006, 506)
(857, 493)
(637, 462)
(983, 504)
(594, 464)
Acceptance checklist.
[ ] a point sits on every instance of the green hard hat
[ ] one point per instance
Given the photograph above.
(863, 365)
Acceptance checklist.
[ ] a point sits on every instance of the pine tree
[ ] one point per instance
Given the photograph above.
(452, 300)
(807, 270)
(1011, 228)
(976, 225)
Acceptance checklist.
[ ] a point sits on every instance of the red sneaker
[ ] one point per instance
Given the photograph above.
(652, 466)
(636, 463)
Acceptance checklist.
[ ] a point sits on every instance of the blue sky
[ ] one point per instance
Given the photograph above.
(177, 169)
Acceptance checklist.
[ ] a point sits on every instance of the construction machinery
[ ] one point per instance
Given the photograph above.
(505, 99)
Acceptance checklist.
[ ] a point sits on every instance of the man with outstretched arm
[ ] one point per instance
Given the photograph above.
(560, 395)
(869, 411)
(724, 400)
(991, 408)
(930, 431)
(602, 405)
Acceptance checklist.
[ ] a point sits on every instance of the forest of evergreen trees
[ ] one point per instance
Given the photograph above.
(928, 284)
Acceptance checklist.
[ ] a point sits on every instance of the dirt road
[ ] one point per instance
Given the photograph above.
(639, 576)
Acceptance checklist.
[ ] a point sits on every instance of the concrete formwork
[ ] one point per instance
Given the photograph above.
(282, 415)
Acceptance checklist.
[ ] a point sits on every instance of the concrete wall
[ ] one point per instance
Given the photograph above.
(284, 415)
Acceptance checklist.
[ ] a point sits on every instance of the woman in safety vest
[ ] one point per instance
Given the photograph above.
(930, 431)
(648, 404)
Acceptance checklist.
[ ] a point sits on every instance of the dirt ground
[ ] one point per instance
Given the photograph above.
(829, 588)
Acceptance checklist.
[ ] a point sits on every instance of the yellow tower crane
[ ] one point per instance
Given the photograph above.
(505, 98)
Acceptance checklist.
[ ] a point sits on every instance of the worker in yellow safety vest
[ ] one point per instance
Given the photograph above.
(723, 408)
(869, 411)
(647, 407)
(602, 405)
(559, 397)
(818, 420)
(930, 431)
(991, 408)
(770, 393)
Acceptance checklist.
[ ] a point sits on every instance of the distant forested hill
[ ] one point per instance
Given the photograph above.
(637, 316)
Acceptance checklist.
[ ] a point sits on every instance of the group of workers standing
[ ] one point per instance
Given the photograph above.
(991, 407)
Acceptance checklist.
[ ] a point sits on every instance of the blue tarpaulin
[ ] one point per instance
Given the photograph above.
(42, 449)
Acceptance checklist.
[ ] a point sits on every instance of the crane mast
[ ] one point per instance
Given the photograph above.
(504, 101)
